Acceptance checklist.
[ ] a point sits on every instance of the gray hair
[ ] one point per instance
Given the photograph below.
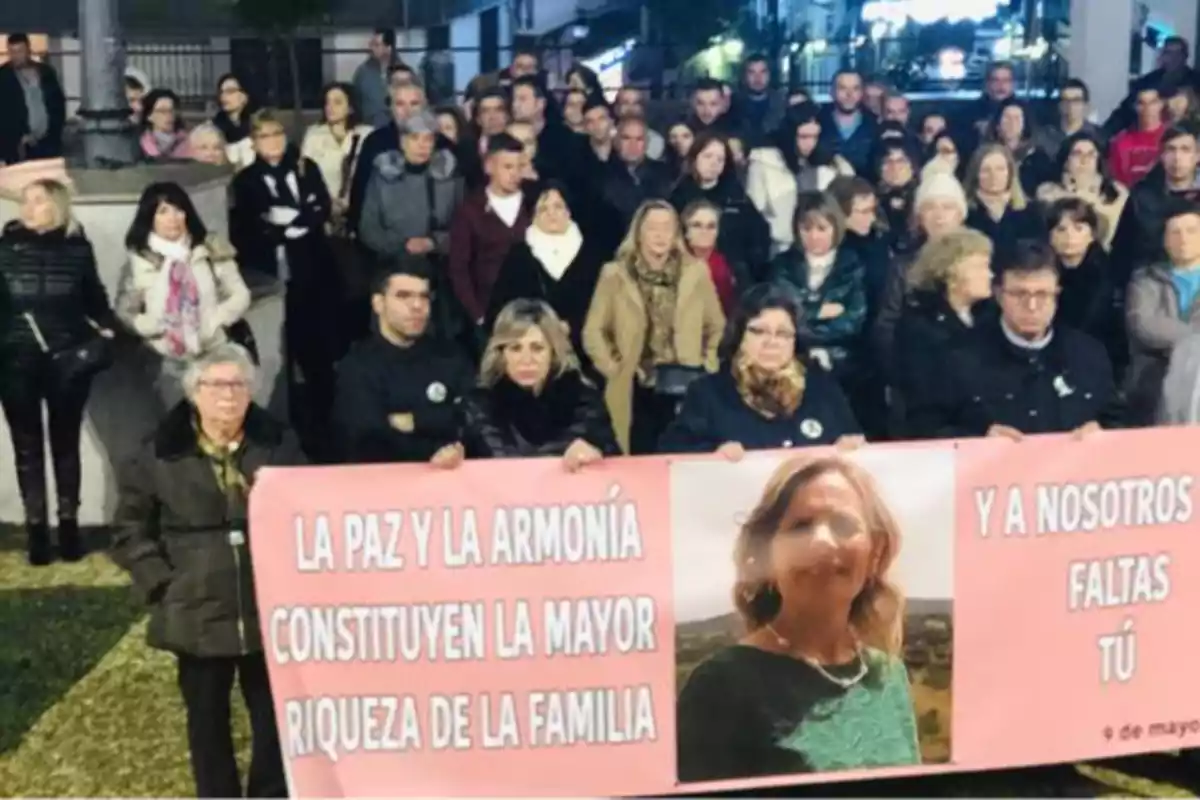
(227, 353)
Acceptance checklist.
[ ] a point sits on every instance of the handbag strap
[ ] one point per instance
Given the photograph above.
(348, 167)
(37, 332)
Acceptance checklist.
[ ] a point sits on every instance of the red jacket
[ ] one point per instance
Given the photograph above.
(479, 243)
(722, 278)
(1133, 153)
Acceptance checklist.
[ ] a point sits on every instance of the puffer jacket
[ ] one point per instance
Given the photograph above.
(222, 293)
(844, 285)
(186, 543)
(397, 204)
(51, 276)
(506, 421)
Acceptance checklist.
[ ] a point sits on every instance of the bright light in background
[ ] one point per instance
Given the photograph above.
(951, 64)
(733, 49)
(897, 12)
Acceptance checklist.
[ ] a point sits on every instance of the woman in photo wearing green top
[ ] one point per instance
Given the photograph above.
(817, 683)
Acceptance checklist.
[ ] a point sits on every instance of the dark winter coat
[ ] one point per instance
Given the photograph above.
(844, 285)
(51, 276)
(991, 381)
(858, 148)
(1014, 226)
(404, 203)
(186, 543)
(508, 421)
(714, 413)
(14, 122)
(745, 236)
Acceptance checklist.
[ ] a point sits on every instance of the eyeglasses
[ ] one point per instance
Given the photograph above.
(779, 335)
(1026, 298)
(232, 387)
(702, 226)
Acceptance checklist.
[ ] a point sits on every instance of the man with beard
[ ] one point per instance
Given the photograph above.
(399, 391)
(757, 106)
(847, 128)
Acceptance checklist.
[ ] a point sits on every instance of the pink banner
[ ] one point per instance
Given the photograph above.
(656, 625)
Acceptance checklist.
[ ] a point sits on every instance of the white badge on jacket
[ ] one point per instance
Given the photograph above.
(1062, 388)
(811, 428)
(436, 392)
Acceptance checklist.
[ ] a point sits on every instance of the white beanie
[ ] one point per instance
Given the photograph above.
(938, 185)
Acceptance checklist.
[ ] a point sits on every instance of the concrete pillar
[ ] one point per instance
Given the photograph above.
(1099, 51)
(107, 134)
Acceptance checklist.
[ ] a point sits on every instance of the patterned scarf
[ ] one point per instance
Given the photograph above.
(660, 294)
(181, 317)
(772, 394)
(225, 463)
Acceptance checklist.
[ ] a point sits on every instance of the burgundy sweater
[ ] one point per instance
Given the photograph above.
(479, 243)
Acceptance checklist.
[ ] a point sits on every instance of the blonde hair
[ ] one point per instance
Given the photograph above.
(514, 321)
(877, 613)
(630, 250)
(936, 261)
(206, 129)
(264, 118)
(59, 196)
(1016, 195)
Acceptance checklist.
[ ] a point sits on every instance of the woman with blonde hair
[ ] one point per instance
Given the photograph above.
(817, 683)
(997, 205)
(949, 291)
(53, 308)
(654, 325)
(207, 145)
(533, 399)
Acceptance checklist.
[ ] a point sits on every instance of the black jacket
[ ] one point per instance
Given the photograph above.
(177, 534)
(1013, 226)
(1089, 301)
(623, 190)
(927, 334)
(745, 237)
(14, 122)
(377, 379)
(257, 239)
(891, 306)
(1138, 241)
(844, 285)
(991, 381)
(714, 413)
(53, 277)
(872, 252)
(858, 148)
(507, 421)
(523, 276)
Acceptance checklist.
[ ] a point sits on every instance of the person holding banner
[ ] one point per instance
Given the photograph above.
(765, 396)
(399, 392)
(817, 683)
(1022, 374)
(181, 532)
(533, 399)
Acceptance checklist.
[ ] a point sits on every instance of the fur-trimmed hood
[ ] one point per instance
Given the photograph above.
(390, 165)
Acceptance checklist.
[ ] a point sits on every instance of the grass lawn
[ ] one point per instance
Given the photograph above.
(86, 709)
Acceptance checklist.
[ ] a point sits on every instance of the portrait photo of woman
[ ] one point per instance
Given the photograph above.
(810, 673)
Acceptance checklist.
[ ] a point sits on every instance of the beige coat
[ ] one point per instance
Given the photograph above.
(615, 332)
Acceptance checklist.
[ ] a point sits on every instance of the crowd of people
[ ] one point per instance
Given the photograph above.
(540, 272)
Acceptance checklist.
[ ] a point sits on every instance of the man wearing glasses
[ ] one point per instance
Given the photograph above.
(1074, 108)
(1022, 374)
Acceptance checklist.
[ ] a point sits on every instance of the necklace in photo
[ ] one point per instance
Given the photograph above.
(843, 682)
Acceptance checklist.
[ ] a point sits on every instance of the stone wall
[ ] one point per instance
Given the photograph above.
(123, 407)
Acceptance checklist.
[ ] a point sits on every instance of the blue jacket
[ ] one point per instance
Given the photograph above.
(858, 148)
(845, 285)
(713, 413)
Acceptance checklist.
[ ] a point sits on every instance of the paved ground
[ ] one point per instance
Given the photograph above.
(87, 710)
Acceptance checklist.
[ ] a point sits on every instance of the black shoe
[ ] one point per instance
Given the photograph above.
(40, 552)
(70, 545)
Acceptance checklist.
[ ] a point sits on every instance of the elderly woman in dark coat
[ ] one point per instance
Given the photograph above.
(182, 533)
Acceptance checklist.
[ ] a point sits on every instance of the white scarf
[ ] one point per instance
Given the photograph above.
(178, 250)
(819, 268)
(554, 251)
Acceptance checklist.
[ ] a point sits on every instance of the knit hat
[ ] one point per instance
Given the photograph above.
(938, 185)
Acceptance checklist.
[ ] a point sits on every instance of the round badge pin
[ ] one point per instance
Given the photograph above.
(436, 392)
(811, 428)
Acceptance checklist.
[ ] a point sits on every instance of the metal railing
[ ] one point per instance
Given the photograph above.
(192, 69)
